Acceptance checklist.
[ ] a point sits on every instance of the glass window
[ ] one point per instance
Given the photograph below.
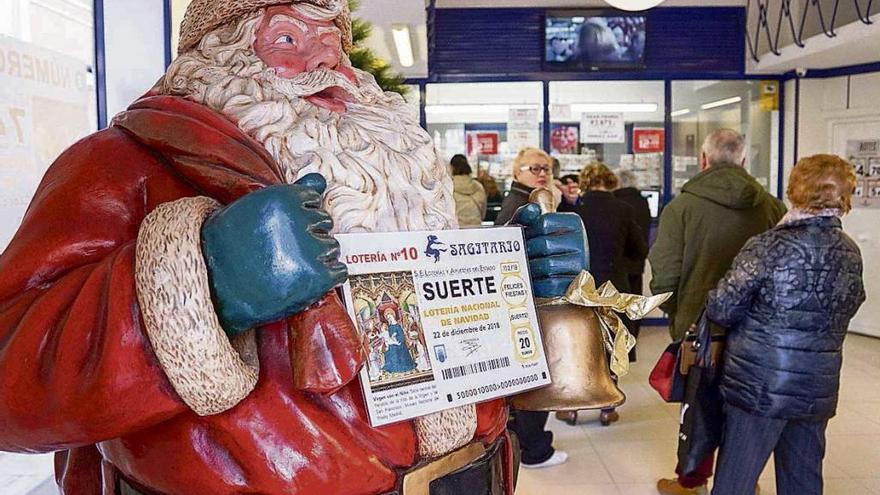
(488, 122)
(178, 9)
(749, 107)
(47, 94)
(47, 102)
(619, 123)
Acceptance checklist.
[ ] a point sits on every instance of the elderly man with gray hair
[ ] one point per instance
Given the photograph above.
(700, 233)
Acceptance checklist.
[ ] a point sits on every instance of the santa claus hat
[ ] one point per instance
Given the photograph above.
(204, 16)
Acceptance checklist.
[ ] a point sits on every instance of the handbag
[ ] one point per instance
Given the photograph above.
(689, 348)
(701, 419)
(666, 377)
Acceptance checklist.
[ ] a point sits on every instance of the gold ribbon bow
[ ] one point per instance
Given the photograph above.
(607, 302)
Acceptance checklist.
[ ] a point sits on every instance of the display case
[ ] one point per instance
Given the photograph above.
(749, 107)
(619, 123)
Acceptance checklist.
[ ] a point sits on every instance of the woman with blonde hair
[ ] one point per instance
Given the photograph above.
(787, 302)
(532, 168)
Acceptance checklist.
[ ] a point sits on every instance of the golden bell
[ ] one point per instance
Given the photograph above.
(578, 363)
(575, 352)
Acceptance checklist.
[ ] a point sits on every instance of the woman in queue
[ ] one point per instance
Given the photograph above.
(469, 195)
(787, 302)
(614, 239)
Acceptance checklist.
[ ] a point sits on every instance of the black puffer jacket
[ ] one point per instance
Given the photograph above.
(788, 300)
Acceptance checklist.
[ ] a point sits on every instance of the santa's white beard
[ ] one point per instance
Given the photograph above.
(381, 167)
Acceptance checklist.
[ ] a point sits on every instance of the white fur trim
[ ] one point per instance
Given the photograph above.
(203, 366)
(445, 431)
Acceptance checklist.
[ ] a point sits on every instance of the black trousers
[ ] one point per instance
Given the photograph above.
(798, 448)
(536, 444)
(634, 327)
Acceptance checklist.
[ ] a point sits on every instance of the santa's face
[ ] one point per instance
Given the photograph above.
(281, 75)
(292, 43)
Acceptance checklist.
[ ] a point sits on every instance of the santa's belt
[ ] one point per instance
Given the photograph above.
(472, 470)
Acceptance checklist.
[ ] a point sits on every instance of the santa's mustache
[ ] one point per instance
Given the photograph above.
(313, 82)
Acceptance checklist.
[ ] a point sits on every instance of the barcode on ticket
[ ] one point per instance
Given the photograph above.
(474, 368)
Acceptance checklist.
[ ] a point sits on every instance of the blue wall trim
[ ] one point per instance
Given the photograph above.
(846, 70)
(780, 179)
(604, 76)
(166, 12)
(508, 42)
(655, 322)
(100, 63)
(797, 120)
(545, 127)
(667, 144)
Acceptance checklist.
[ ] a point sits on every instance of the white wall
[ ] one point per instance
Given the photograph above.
(844, 103)
(134, 38)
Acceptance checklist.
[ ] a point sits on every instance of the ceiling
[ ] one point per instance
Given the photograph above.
(856, 43)
(383, 14)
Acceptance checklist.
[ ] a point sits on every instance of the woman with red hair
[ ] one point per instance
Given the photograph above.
(787, 302)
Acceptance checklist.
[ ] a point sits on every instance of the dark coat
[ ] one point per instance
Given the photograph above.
(700, 233)
(787, 302)
(613, 236)
(634, 198)
(518, 196)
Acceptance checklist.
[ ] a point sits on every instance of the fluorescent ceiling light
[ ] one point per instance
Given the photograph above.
(614, 107)
(403, 43)
(679, 113)
(721, 103)
(473, 108)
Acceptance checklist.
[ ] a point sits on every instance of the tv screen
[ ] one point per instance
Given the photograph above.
(583, 40)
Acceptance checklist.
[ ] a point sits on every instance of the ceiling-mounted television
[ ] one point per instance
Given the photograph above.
(594, 40)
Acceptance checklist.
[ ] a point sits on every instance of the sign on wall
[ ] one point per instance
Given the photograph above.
(648, 140)
(603, 128)
(523, 130)
(46, 104)
(483, 143)
(864, 155)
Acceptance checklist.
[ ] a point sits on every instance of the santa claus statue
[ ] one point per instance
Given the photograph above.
(168, 319)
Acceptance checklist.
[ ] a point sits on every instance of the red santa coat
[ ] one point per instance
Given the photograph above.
(78, 371)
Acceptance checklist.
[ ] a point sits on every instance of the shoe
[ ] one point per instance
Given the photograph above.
(609, 416)
(672, 487)
(569, 417)
(558, 457)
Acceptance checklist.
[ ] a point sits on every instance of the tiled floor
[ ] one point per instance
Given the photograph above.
(628, 457)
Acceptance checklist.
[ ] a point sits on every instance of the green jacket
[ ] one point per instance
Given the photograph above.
(701, 232)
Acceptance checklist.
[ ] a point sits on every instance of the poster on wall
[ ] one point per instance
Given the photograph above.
(864, 156)
(523, 118)
(648, 139)
(447, 319)
(518, 139)
(46, 104)
(564, 139)
(523, 129)
(483, 142)
(603, 128)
